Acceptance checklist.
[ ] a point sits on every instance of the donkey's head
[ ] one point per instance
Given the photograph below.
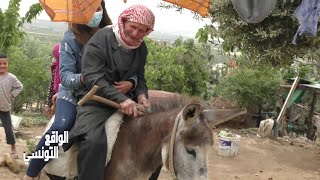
(192, 140)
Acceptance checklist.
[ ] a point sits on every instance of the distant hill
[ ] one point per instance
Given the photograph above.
(49, 28)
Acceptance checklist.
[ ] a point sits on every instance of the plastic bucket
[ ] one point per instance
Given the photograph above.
(228, 146)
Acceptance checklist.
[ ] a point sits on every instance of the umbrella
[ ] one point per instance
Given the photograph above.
(75, 11)
(81, 11)
(199, 6)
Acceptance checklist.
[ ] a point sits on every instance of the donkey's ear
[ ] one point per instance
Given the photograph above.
(215, 117)
(165, 156)
(191, 112)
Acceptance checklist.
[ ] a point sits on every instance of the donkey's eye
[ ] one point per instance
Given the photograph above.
(191, 152)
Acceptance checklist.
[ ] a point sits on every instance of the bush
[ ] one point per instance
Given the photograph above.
(180, 67)
(252, 88)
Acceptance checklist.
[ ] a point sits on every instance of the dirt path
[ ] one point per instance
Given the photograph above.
(258, 159)
(264, 159)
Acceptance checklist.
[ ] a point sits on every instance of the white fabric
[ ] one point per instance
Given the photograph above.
(266, 127)
(120, 41)
(112, 127)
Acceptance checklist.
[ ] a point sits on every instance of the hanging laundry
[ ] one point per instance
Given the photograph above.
(308, 16)
(254, 11)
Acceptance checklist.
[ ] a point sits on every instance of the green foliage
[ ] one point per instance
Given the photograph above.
(267, 41)
(180, 67)
(33, 119)
(307, 72)
(30, 62)
(33, 12)
(11, 24)
(9, 32)
(31, 146)
(251, 87)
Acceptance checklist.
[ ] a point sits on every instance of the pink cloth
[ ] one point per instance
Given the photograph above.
(138, 14)
(55, 66)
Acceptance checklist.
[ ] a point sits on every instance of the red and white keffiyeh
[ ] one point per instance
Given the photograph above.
(138, 14)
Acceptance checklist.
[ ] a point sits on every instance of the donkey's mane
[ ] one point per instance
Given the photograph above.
(177, 101)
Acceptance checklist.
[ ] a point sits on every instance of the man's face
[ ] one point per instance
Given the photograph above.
(3, 65)
(135, 32)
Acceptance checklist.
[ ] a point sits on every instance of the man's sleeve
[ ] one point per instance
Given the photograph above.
(141, 87)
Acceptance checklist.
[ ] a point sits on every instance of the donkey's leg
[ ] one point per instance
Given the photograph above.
(92, 154)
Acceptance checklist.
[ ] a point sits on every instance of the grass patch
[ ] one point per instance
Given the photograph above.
(33, 119)
(31, 146)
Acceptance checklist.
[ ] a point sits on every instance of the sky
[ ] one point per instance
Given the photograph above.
(167, 20)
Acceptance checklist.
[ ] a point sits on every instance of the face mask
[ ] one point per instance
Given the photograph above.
(96, 19)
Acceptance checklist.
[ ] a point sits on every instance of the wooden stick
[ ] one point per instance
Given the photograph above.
(284, 107)
(91, 96)
(106, 101)
(304, 108)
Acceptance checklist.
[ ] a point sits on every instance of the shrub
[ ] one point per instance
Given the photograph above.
(252, 88)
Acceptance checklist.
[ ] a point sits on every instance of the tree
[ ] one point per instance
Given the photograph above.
(180, 67)
(11, 24)
(266, 42)
(30, 61)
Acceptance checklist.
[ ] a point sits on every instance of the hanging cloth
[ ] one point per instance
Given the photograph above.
(254, 11)
(308, 16)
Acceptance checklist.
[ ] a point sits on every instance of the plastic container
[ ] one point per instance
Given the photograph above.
(228, 146)
(15, 121)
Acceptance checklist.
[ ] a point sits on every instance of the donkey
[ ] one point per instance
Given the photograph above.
(175, 135)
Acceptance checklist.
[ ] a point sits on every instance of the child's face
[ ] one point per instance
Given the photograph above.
(3, 65)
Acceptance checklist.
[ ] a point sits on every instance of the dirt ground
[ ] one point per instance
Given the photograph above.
(257, 159)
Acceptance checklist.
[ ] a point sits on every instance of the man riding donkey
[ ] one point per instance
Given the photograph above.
(112, 55)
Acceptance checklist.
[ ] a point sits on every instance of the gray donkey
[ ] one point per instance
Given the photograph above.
(175, 135)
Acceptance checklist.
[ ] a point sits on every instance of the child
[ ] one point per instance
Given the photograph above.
(10, 87)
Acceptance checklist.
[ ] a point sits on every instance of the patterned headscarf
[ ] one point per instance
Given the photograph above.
(138, 14)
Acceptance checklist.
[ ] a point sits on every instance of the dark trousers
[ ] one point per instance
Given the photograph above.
(64, 119)
(7, 124)
(92, 154)
(155, 174)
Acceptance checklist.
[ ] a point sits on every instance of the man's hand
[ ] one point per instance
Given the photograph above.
(11, 95)
(129, 108)
(123, 86)
(142, 100)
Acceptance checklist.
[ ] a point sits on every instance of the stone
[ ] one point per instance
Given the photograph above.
(11, 163)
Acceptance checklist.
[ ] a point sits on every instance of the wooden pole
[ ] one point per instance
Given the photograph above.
(305, 108)
(311, 113)
(284, 107)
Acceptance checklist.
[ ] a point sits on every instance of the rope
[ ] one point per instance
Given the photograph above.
(172, 141)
